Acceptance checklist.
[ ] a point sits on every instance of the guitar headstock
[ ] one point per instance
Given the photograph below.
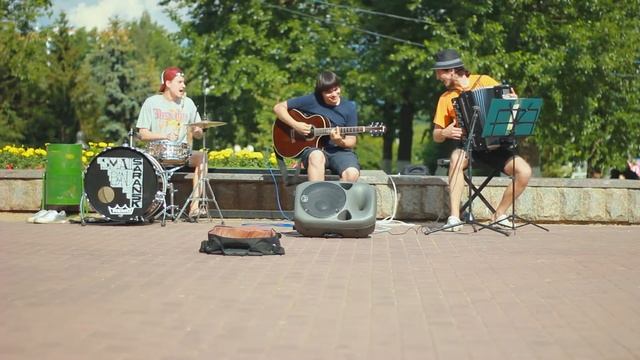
(376, 129)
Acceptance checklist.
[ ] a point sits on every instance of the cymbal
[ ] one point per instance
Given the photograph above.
(207, 124)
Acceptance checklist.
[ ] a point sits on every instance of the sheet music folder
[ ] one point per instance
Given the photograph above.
(504, 113)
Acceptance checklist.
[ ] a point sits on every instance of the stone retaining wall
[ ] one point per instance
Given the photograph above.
(252, 194)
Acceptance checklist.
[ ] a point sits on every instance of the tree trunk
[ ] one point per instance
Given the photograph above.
(405, 135)
(388, 138)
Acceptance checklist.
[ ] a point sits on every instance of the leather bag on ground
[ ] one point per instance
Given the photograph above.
(242, 241)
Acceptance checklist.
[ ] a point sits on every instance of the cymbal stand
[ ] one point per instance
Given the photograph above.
(203, 190)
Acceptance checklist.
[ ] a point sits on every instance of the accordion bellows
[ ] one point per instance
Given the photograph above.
(480, 100)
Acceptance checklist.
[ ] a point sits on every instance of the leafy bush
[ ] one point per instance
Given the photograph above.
(19, 157)
(13, 157)
(242, 158)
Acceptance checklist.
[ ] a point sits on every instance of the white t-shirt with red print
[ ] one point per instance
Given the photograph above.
(163, 116)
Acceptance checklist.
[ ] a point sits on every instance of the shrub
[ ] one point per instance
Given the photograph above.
(19, 157)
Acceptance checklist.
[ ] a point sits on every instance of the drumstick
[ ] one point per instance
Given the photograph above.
(189, 137)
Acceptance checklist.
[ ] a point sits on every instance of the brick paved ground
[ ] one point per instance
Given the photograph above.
(144, 292)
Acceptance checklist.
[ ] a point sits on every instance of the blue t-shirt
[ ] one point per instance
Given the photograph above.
(344, 114)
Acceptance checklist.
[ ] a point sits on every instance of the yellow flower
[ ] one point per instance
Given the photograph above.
(102, 144)
(84, 160)
(89, 153)
(257, 156)
(111, 144)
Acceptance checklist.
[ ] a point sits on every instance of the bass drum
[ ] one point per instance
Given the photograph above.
(125, 184)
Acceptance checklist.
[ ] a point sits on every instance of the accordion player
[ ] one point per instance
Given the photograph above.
(480, 98)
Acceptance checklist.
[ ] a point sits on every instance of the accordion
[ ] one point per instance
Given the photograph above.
(464, 107)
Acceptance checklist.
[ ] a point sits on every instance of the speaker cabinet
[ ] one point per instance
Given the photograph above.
(333, 208)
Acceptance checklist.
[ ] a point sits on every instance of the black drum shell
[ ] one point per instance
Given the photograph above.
(116, 169)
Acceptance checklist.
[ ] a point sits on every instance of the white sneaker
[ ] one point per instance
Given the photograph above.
(503, 221)
(52, 217)
(32, 218)
(453, 224)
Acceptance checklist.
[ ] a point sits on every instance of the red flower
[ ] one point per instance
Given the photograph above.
(9, 166)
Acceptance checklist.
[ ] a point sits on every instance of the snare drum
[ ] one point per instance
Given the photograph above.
(169, 152)
(125, 184)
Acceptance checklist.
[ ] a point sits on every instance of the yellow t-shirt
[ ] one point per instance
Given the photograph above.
(445, 113)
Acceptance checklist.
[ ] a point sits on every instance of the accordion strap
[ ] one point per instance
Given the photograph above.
(475, 83)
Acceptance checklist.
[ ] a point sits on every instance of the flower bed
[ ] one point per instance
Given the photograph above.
(20, 157)
(13, 157)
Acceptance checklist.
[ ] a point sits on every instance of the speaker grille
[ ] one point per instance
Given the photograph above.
(323, 199)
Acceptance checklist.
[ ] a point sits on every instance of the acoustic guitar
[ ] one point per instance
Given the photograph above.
(289, 143)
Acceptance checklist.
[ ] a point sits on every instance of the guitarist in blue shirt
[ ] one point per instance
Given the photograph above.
(335, 151)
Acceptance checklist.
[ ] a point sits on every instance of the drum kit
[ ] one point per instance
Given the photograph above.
(126, 184)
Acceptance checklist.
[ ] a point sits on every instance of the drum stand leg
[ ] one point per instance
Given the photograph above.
(168, 211)
(82, 214)
(163, 222)
(173, 206)
(201, 194)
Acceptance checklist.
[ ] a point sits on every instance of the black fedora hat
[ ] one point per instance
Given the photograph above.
(447, 59)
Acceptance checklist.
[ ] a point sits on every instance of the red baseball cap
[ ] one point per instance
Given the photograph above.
(169, 74)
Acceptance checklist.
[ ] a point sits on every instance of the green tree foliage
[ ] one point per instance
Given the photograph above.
(22, 13)
(581, 56)
(22, 69)
(581, 61)
(88, 96)
(65, 83)
(394, 75)
(576, 55)
(153, 50)
(254, 54)
(114, 68)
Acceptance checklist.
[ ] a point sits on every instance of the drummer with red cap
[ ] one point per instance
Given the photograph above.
(165, 117)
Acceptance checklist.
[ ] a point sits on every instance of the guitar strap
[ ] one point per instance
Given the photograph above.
(341, 115)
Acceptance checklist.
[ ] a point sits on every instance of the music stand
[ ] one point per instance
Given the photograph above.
(469, 219)
(513, 118)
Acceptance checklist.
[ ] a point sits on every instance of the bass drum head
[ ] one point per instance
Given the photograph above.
(121, 183)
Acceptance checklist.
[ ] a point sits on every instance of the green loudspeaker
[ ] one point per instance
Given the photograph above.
(333, 208)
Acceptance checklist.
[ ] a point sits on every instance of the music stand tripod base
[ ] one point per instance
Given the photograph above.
(512, 118)
(470, 219)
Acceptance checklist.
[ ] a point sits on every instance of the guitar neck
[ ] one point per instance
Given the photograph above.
(343, 130)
